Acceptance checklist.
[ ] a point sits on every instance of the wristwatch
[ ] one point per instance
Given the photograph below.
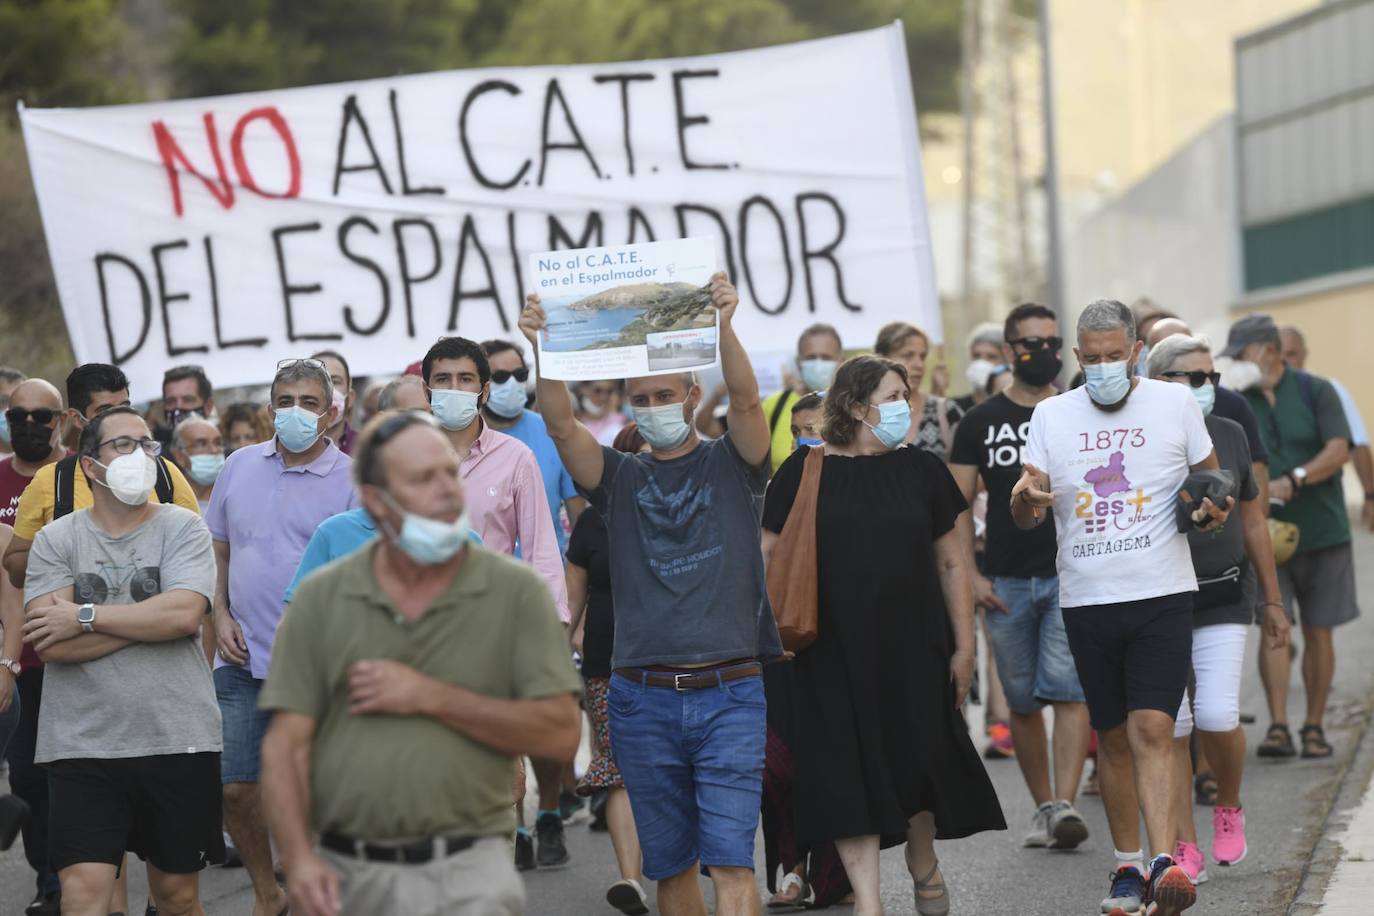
(85, 615)
(11, 664)
(1299, 476)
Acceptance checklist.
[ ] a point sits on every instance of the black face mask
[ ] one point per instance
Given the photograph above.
(176, 415)
(1038, 368)
(31, 441)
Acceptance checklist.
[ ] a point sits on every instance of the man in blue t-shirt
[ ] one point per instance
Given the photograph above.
(505, 411)
(692, 619)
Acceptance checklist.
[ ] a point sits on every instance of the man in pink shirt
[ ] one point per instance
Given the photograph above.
(508, 507)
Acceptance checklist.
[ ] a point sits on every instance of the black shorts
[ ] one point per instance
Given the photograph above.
(1130, 656)
(166, 809)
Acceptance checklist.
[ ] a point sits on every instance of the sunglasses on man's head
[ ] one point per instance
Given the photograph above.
(501, 376)
(1196, 379)
(42, 415)
(309, 363)
(1039, 343)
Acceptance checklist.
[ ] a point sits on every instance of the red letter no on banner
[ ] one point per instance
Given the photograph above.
(278, 123)
(174, 159)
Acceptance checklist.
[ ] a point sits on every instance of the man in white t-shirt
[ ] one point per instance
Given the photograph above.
(1116, 452)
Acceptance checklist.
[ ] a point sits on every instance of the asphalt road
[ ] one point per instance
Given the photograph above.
(1287, 807)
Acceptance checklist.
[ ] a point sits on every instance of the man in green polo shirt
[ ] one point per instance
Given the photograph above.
(406, 679)
(1304, 428)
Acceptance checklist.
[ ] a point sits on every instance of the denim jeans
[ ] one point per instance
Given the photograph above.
(1032, 650)
(692, 761)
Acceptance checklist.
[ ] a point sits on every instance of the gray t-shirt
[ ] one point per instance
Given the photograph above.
(1216, 554)
(149, 698)
(686, 569)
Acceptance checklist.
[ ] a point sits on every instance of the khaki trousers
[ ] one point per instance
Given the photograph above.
(479, 881)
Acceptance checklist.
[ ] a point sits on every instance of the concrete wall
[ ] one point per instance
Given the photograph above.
(1170, 237)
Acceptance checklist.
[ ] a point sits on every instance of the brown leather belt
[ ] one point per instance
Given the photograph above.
(691, 680)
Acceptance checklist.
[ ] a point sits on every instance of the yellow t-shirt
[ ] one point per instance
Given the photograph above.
(36, 505)
(782, 430)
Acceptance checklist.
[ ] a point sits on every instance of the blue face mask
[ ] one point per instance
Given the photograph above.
(428, 541)
(664, 428)
(1206, 398)
(205, 468)
(453, 409)
(4, 428)
(507, 399)
(1141, 362)
(807, 441)
(817, 374)
(297, 428)
(1107, 383)
(894, 422)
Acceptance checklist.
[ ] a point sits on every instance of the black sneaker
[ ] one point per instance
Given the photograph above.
(45, 905)
(553, 852)
(524, 852)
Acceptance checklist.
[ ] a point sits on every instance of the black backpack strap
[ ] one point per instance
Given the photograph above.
(165, 492)
(64, 487)
(778, 408)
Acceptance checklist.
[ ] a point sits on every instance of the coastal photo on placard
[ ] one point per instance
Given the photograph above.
(627, 310)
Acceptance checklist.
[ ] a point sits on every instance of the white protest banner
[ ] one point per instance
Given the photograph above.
(373, 217)
(627, 311)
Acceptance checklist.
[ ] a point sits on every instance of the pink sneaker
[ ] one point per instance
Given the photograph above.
(1228, 844)
(1188, 857)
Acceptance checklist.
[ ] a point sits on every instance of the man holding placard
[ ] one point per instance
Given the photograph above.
(686, 698)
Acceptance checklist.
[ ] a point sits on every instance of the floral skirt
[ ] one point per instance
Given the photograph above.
(601, 772)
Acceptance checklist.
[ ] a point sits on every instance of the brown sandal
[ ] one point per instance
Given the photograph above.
(1314, 743)
(1205, 789)
(1278, 742)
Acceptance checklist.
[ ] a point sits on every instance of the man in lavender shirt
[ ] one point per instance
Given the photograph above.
(268, 501)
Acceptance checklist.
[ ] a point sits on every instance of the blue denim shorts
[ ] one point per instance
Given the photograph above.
(244, 724)
(1032, 649)
(692, 762)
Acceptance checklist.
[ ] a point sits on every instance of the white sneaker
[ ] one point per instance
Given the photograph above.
(1067, 828)
(1039, 835)
(628, 897)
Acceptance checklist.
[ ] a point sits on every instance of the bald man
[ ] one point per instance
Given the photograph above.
(35, 420)
(198, 449)
(1295, 355)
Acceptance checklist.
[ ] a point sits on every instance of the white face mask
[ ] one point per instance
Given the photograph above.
(591, 408)
(1240, 374)
(130, 477)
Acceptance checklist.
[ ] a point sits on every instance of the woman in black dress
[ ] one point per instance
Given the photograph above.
(882, 754)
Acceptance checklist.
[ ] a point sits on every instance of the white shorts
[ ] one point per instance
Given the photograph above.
(1218, 663)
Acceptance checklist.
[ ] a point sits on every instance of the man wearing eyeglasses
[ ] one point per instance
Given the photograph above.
(1025, 623)
(266, 505)
(128, 730)
(61, 487)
